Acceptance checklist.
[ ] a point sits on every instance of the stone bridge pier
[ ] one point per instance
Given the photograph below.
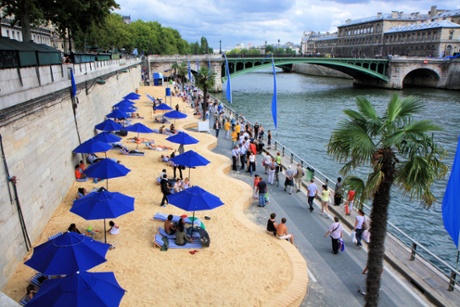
(425, 72)
(162, 64)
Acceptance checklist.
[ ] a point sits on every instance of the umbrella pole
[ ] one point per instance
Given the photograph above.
(193, 223)
(105, 234)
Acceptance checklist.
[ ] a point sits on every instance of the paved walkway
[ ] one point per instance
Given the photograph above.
(334, 279)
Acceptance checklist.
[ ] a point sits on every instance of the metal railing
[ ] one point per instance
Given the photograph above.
(413, 245)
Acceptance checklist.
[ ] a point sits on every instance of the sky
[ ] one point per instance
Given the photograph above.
(252, 22)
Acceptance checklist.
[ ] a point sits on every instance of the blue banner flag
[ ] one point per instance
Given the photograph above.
(274, 107)
(189, 72)
(451, 201)
(73, 91)
(228, 91)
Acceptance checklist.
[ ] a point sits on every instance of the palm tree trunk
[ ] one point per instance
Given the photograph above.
(379, 221)
(205, 101)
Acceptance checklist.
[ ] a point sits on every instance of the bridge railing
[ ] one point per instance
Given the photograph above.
(415, 248)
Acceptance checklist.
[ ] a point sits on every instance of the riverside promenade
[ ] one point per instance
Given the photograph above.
(335, 279)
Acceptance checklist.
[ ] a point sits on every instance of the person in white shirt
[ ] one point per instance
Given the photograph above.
(335, 231)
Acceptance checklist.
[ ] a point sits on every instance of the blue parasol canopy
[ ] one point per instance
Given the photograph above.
(163, 107)
(92, 146)
(182, 138)
(117, 114)
(106, 169)
(102, 205)
(132, 96)
(190, 159)
(175, 115)
(80, 289)
(109, 125)
(107, 137)
(67, 254)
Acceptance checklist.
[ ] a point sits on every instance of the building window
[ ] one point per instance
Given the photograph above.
(451, 34)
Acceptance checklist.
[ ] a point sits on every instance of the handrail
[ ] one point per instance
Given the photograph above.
(453, 271)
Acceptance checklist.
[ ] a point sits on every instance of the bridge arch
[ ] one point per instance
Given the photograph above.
(423, 77)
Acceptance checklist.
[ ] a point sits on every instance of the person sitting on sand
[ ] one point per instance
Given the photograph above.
(186, 183)
(177, 187)
(169, 226)
(93, 158)
(181, 236)
(160, 120)
(136, 115)
(79, 175)
(73, 228)
(271, 224)
(81, 192)
(282, 231)
(31, 290)
(82, 165)
(114, 229)
(172, 129)
(163, 172)
(164, 158)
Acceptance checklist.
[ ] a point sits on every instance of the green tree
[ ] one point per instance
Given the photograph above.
(269, 49)
(400, 152)
(205, 79)
(204, 48)
(26, 13)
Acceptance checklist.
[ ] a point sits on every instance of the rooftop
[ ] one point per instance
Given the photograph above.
(387, 16)
(424, 26)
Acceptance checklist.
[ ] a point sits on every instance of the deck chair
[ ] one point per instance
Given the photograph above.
(23, 301)
(35, 280)
(55, 236)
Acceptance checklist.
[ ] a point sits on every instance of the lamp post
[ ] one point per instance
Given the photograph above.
(220, 46)
(278, 46)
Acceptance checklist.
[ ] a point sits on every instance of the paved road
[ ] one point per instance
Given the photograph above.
(334, 279)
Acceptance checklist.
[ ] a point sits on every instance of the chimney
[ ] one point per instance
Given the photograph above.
(348, 20)
(433, 11)
(394, 14)
(379, 14)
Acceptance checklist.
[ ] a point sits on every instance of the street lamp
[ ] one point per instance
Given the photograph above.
(220, 46)
(278, 46)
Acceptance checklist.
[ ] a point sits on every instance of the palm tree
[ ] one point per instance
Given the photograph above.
(204, 78)
(400, 152)
(180, 71)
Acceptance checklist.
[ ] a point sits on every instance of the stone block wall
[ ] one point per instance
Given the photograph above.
(38, 146)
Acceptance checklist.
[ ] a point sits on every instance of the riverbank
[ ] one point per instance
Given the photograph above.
(242, 267)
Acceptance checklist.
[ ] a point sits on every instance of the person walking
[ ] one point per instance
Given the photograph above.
(261, 189)
(312, 192)
(235, 156)
(251, 163)
(269, 139)
(256, 130)
(242, 151)
(298, 177)
(338, 192)
(335, 232)
(325, 201)
(217, 127)
(165, 189)
(289, 180)
(359, 227)
(271, 171)
(227, 129)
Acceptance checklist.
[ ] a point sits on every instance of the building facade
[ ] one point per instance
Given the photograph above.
(435, 34)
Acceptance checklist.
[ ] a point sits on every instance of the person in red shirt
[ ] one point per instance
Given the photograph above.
(253, 148)
(79, 173)
(350, 200)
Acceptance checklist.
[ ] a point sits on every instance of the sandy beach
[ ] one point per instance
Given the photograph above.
(244, 266)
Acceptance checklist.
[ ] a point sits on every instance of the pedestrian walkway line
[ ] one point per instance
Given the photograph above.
(312, 277)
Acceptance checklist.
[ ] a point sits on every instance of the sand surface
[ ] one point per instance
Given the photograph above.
(243, 266)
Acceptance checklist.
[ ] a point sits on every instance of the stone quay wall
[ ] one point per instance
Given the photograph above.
(40, 125)
(317, 70)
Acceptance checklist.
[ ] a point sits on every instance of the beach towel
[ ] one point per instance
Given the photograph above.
(159, 241)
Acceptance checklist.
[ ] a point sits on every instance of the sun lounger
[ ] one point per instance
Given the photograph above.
(188, 220)
(36, 280)
(23, 301)
(81, 180)
(159, 243)
(132, 153)
(55, 236)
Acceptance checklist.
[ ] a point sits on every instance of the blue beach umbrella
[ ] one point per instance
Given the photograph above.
(68, 253)
(163, 107)
(107, 137)
(124, 103)
(190, 159)
(182, 138)
(127, 109)
(175, 115)
(80, 289)
(102, 205)
(109, 125)
(106, 169)
(195, 199)
(117, 114)
(139, 128)
(132, 96)
(92, 146)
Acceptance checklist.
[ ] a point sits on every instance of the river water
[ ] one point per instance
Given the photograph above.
(309, 108)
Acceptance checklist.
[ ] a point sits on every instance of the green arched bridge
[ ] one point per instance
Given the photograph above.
(357, 68)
